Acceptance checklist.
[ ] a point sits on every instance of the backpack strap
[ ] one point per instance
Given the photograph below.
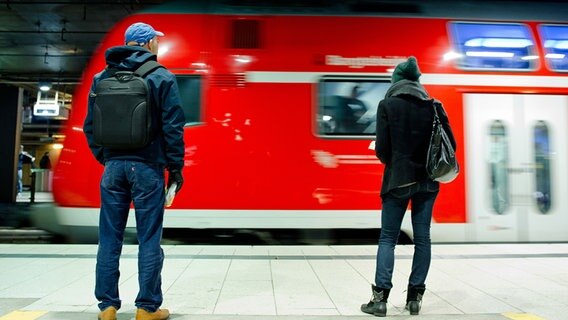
(111, 71)
(147, 67)
(142, 71)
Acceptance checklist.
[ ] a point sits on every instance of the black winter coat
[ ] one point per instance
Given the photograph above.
(404, 126)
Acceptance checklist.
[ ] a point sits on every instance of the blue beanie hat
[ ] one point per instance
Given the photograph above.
(406, 70)
(141, 33)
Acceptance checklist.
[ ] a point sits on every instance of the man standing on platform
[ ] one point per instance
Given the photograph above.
(135, 174)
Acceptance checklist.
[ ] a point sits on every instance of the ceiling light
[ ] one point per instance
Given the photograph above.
(489, 54)
(44, 85)
(499, 43)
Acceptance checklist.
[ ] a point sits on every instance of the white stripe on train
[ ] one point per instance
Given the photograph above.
(72, 217)
(428, 78)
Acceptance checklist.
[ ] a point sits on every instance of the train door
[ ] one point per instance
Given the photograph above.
(516, 173)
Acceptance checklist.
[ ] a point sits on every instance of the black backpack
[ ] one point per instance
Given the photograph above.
(123, 112)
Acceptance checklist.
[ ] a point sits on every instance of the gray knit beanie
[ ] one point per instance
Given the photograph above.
(406, 70)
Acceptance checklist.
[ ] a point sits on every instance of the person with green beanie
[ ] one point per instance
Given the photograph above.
(404, 125)
(406, 70)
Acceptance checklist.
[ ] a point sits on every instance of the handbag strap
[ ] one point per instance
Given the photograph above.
(436, 117)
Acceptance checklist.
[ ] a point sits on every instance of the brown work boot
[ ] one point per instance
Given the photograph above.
(108, 314)
(160, 314)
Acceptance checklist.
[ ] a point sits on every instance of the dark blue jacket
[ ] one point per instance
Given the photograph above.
(167, 148)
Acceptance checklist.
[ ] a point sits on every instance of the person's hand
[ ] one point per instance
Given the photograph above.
(372, 145)
(175, 176)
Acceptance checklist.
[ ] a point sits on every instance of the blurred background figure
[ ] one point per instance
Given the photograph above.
(24, 157)
(350, 111)
(45, 162)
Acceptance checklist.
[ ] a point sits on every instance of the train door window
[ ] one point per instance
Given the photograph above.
(190, 91)
(542, 166)
(555, 45)
(347, 106)
(495, 46)
(499, 163)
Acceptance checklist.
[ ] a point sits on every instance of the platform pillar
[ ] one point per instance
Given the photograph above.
(11, 99)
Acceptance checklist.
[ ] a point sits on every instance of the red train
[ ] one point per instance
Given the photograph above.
(280, 111)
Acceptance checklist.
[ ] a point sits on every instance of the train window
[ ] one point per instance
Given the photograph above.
(495, 46)
(348, 107)
(555, 39)
(190, 91)
(542, 166)
(498, 161)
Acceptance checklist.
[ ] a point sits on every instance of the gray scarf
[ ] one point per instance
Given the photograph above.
(413, 88)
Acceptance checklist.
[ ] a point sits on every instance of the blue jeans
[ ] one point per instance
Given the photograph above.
(20, 175)
(124, 182)
(395, 202)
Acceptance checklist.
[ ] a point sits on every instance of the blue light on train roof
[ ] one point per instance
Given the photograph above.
(556, 44)
(555, 41)
(492, 46)
(489, 54)
(529, 57)
(498, 43)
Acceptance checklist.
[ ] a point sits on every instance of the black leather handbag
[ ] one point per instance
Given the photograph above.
(441, 162)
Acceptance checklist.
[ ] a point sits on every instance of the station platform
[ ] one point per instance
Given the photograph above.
(466, 281)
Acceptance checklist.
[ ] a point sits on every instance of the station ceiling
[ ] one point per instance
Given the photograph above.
(53, 40)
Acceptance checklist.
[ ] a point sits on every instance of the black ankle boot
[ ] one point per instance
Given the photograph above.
(378, 304)
(414, 299)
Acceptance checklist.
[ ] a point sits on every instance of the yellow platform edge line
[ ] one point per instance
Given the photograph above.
(511, 315)
(23, 315)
